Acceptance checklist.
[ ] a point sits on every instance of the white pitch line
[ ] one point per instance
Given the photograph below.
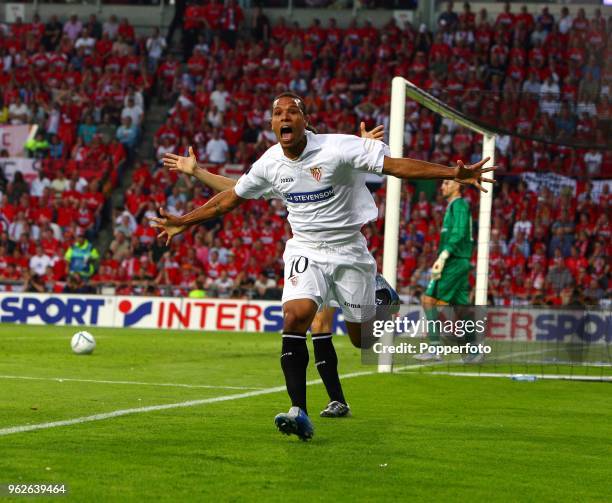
(137, 383)
(138, 410)
(45, 337)
(458, 360)
(152, 408)
(506, 357)
(537, 376)
(570, 363)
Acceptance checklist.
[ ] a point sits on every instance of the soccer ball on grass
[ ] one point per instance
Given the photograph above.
(83, 343)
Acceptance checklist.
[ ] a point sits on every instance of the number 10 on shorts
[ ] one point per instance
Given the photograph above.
(298, 266)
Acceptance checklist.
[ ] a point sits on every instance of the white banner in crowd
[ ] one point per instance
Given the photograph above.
(13, 138)
(598, 187)
(555, 183)
(12, 11)
(542, 325)
(28, 167)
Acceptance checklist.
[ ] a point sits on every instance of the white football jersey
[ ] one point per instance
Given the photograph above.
(324, 189)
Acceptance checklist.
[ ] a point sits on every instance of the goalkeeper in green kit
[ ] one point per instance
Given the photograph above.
(449, 285)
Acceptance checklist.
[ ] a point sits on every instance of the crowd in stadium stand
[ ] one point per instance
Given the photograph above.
(83, 84)
(532, 74)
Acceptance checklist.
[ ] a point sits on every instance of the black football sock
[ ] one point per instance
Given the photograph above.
(326, 362)
(294, 360)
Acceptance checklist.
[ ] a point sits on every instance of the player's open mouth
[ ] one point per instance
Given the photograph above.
(286, 133)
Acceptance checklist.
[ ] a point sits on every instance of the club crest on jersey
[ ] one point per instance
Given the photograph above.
(294, 280)
(316, 173)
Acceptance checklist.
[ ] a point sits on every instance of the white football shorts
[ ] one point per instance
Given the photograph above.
(343, 275)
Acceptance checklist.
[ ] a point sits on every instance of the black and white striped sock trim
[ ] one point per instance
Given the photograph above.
(293, 335)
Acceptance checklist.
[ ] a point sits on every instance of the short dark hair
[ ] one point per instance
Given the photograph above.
(300, 103)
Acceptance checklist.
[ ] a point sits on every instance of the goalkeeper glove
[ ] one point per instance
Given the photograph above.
(436, 270)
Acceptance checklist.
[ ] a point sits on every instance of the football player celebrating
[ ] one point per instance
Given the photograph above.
(321, 329)
(321, 178)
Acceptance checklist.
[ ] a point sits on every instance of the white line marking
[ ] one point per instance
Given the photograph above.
(493, 360)
(569, 363)
(138, 410)
(170, 385)
(152, 408)
(46, 337)
(506, 357)
(537, 376)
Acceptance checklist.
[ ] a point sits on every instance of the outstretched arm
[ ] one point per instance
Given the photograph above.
(190, 166)
(415, 169)
(217, 206)
(218, 183)
(171, 225)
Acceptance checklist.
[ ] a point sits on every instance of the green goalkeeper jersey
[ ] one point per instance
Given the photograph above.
(456, 234)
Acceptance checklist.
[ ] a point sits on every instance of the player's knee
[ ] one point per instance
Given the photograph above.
(356, 341)
(295, 321)
(317, 327)
(289, 321)
(321, 325)
(363, 341)
(360, 334)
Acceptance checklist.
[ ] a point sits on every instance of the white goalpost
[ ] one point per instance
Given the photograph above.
(400, 88)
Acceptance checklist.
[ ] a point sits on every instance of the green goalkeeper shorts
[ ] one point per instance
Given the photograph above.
(453, 286)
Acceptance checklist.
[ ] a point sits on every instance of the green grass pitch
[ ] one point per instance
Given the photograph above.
(413, 436)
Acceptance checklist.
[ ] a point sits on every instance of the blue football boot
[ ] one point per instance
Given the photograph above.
(386, 296)
(295, 422)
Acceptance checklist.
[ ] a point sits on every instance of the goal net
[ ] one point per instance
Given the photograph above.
(566, 340)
